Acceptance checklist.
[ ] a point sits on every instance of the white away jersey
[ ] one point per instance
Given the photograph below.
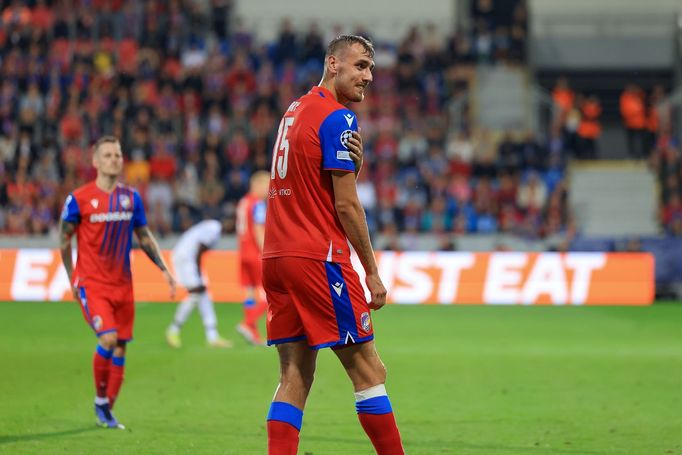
(203, 233)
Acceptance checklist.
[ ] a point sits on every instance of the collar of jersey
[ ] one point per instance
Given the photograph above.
(325, 92)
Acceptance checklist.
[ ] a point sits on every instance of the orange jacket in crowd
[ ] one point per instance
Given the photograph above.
(589, 127)
(632, 109)
(564, 98)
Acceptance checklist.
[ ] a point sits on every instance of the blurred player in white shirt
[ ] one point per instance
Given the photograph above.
(186, 258)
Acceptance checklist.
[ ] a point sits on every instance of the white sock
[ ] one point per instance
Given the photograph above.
(372, 392)
(184, 310)
(101, 400)
(208, 317)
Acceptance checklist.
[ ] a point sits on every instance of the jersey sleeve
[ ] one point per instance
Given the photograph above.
(71, 213)
(258, 213)
(139, 217)
(334, 133)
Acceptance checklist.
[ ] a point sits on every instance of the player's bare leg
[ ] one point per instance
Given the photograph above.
(108, 370)
(297, 371)
(368, 374)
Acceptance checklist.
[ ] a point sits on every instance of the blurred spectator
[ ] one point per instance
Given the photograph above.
(633, 112)
(589, 129)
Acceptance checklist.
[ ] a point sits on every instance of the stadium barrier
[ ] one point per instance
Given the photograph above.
(410, 277)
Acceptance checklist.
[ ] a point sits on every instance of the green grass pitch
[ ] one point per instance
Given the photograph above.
(462, 380)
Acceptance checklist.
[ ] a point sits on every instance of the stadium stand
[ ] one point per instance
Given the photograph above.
(195, 104)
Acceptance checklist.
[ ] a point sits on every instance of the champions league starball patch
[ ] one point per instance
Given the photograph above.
(97, 322)
(347, 134)
(365, 321)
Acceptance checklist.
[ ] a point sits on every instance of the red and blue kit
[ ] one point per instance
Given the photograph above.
(313, 292)
(250, 213)
(102, 274)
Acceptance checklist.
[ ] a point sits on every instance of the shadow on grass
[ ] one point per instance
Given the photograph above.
(47, 435)
(456, 446)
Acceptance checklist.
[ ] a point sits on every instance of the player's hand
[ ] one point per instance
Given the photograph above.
(171, 283)
(355, 150)
(76, 294)
(377, 291)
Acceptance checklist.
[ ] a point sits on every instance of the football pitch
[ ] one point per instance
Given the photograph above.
(462, 379)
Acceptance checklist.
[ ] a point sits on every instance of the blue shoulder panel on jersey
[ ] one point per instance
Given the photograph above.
(334, 132)
(259, 212)
(139, 217)
(71, 213)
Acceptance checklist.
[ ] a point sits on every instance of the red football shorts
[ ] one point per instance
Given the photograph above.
(251, 272)
(320, 302)
(108, 309)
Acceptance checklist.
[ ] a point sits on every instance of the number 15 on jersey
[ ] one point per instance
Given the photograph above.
(281, 162)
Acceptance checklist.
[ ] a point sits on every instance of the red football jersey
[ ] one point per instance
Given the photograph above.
(104, 234)
(301, 218)
(250, 212)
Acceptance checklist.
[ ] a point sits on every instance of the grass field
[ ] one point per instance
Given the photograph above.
(462, 380)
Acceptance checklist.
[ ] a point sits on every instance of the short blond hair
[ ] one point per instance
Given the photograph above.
(105, 140)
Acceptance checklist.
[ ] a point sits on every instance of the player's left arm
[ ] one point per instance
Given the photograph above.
(151, 248)
(148, 242)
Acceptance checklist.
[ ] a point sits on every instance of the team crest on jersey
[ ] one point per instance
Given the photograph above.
(365, 321)
(347, 134)
(97, 322)
(124, 199)
(94, 203)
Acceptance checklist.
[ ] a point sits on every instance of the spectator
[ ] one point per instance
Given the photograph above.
(589, 129)
(633, 112)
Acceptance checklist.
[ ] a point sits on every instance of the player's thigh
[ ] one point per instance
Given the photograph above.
(296, 359)
(329, 300)
(124, 313)
(362, 364)
(251, 272)
(283, 322)
(97, 308)
(187, 273)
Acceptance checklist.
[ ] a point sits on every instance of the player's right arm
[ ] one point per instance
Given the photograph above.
(67, 227)
(352, 217)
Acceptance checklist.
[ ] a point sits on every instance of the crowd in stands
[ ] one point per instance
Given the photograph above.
(195, 98)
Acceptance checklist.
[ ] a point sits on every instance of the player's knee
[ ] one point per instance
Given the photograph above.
(108, 340)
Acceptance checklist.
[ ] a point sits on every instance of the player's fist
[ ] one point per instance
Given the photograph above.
(377, 291)
(355, 149)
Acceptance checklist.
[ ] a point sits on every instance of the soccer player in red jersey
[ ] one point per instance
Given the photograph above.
(104, 214)
(250, 229)
(315, 298)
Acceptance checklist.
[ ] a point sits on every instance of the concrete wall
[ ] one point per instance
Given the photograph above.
(383, 19)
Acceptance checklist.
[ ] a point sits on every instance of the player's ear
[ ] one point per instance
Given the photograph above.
(332, 63)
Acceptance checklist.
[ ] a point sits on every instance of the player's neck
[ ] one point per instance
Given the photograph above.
(106, 183)
(329, 85)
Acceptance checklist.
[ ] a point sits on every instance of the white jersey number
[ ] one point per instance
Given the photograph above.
(281, 162)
